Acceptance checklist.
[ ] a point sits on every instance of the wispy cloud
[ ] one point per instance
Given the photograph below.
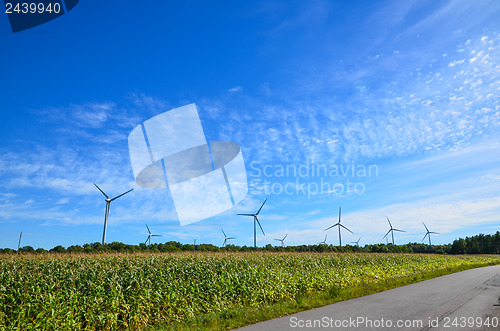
(235, 89)
(436, 107)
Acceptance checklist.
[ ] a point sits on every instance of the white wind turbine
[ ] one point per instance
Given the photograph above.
(339, 225)
(151, 235)
(108, 203)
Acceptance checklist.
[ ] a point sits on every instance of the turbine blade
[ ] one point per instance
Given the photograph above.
(259, 225)
(278, 239)
(389, 222)
(231, 238)
(148, 229)
(223, 233)
(398, 230)
(425, 236)
(332, 226)
(261, 207)
(122, 194)
(340, 211)
(285, 236)
(387, 233)
(246, 214)
(101, 191)
(346, 228)
(434, 232)
(156, 235)
(425, 226)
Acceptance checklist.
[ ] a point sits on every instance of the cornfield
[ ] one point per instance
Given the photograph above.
(99, 292)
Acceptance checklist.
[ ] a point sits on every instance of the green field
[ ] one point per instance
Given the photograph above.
(99, 292)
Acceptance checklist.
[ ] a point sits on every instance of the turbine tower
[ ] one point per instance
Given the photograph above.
(226, 238)
(108, 203)
(255, 222)
(391, 230)
(151, 235)
(19, 244)
(428, 234)
(339, 225)
(282, 240)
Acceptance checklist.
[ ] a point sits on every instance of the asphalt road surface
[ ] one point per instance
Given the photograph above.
(468, 300)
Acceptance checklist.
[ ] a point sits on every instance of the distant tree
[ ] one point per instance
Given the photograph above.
(58, 249)
(459, 246)
(171, 248)
(26, 249)
(118, 247)
(75, 249)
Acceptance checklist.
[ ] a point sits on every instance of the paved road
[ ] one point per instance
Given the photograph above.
(461, 301)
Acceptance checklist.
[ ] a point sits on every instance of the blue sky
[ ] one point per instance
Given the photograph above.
(409, 88)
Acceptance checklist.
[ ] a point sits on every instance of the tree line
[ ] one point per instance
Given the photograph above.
(479, 244)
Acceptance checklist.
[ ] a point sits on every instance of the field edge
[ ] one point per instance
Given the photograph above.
(240, 317)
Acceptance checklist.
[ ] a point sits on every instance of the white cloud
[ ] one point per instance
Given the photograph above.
(443, 217)
(235, 89)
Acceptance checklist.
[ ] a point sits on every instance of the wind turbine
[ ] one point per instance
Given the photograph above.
(19, 244)
(323, 242)
(356, 242)
(151, 235)
(428, 234)
(108, 203)
(391, 230)
(226, 238)
(255, 221)
(339, 225)
(282, 240)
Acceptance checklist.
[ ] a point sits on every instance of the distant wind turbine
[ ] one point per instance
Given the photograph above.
(323, 242)
(339, 225)
(108, 203)
(391, 230)
(255, 222)
(151, 235)
(226, 238)
(428, 233)
(356, 242)
(282, 240)
(19, 244)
